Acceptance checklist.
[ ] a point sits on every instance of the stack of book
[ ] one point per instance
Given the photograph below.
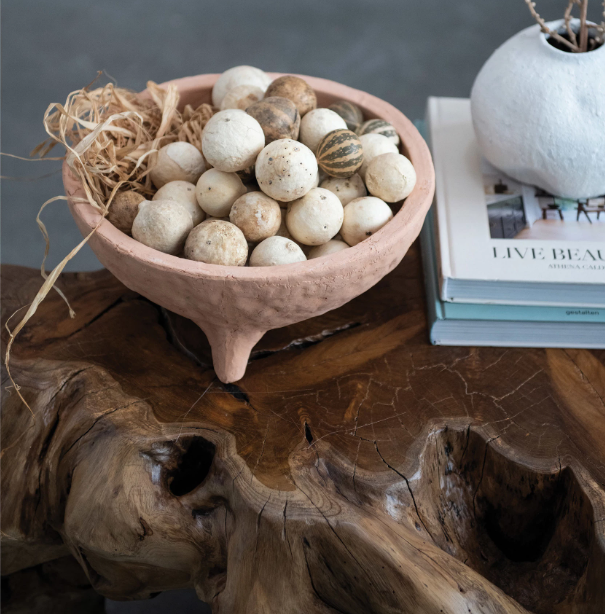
(506, 264)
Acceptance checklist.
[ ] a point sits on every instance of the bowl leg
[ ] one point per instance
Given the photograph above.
(231, 350)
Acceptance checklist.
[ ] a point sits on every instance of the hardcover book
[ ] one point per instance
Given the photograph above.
(503, 242)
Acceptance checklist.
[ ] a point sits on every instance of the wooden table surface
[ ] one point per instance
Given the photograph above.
(355, 468)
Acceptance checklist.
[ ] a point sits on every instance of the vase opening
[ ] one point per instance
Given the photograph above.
(595, 39)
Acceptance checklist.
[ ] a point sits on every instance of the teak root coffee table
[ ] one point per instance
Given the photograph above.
(354, 469)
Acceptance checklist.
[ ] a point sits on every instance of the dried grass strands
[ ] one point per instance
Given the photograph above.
(111, 136)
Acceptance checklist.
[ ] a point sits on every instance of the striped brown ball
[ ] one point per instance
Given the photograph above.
(340, 153)
(350, 112)
(379, 126)
(295, 89)
(279, 118)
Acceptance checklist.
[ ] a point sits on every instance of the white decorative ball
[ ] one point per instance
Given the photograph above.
(241, 97)
(184, 193)
(374, 145)
(363, 217)
(315, 218)
(286, 170)
(162, 225)
(178, 161)
(256, 215)
(390, 177)
(276, 250)
(231, 140)
(539, 114)
(331, 247)
(238, 75)
(217, 242)
(346, 188)
(316, 124)
(216, 192)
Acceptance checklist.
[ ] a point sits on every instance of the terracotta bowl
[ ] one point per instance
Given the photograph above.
(235, 306)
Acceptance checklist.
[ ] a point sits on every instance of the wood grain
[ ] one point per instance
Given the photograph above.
(355, 468)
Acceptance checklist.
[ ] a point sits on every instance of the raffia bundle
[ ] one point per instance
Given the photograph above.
(111, 136)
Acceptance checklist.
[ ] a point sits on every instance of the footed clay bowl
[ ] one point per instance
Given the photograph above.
(235, 306)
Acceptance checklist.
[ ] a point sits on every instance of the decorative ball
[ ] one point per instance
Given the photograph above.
(286, 170)
(295, 89)
(316, 124)
(276, 250)
(184, 193)
(178, 161)
(241, 97)
(256, 215)
(346, 188)
(231, 140)
(331, 247)
(390, 177)
(315, 218)
(238, 75)
(162, 225)
(363, 217)
(278, 117)
(374, 145)
(216, 191)
(123, 209)
(350, 112)
(379, 126)
(340, 153)
(217, 242)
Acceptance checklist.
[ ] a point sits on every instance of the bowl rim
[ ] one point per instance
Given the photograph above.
(414, 208)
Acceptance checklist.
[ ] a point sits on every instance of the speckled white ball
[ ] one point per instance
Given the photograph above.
(331, 247)
(346, 188)
(162, 225)
(374, 145)
(315, 218)
(286, 170)
(216, 192)
(390, 177)
(241, 97)
(236, 76)
(184, 193)
(316, 124)
(363, 217)
(276, 250)
(231, 140)
(217, 242)
(178, 161)
(257, 215)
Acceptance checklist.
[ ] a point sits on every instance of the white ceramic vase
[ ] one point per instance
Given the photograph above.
(539, 114)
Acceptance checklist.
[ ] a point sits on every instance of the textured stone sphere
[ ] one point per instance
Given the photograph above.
(123, 209)
(363, 217)
(178, 161)
(279, 118)
(315, 218)
(276, 250)
(374, 145)
(295, 89)
(241, 97)
(316, 124)
(286, 170)
(390, 177)
(346, 188)
(257, 215)
(231, 140)
(162, 225)
(216, 191)
(184, 193)
(331, 247)
(238, 75)
(539, 114)
(217, 242)
(350, 112)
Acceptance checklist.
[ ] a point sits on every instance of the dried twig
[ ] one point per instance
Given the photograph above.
(532, 8)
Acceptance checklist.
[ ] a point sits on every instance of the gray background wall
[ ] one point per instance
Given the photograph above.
(399, 50)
